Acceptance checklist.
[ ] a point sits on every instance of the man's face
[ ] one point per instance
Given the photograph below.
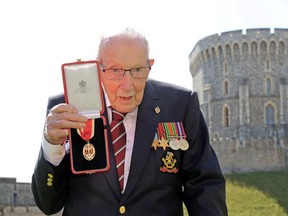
(127, 93)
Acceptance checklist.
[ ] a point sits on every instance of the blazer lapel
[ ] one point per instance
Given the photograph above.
(146, 126)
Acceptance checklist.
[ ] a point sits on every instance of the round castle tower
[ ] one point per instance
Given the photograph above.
(242, 82)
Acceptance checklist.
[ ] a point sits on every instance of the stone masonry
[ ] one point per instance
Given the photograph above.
(241, 78)
(16, 199)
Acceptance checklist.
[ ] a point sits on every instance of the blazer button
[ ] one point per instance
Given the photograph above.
(50, 180)
(122, 209)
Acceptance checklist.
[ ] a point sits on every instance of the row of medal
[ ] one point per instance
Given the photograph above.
(170, 134)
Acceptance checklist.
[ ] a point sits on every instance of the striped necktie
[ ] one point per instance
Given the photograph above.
(118, 135)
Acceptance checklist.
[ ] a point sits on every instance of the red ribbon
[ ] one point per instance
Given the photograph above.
(88, 131)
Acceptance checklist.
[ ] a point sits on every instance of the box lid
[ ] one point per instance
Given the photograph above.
(82, 87)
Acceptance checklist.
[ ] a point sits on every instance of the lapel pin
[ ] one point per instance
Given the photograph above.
(157, 109)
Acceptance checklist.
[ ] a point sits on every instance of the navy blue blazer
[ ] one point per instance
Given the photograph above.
(198, 182)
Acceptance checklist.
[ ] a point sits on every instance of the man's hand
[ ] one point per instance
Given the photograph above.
(59, 120)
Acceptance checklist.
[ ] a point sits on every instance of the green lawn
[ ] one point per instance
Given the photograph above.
(257, 194)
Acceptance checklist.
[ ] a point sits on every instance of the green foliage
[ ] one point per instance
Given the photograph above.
(257, 194)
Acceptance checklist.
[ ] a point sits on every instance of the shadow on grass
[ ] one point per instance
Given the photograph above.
(274, 184)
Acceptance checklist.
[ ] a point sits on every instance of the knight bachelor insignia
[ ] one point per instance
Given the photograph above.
(89, 151)
(86, 134)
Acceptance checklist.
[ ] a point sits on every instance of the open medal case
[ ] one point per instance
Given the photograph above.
(82, 89)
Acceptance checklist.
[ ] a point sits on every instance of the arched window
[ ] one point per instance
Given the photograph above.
(269, 115)
(236, 51)
(273, 47)
(225, 67)
(225, 86)
(267, 65)
(226, 120)
(281, 55)
(207, 55)
(228, 51)
(263, 48)
(245, 51)
(220, 52)
(254, 49)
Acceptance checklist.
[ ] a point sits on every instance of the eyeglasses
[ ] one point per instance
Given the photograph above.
(118, 73)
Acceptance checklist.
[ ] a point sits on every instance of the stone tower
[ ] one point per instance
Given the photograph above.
(242, 83)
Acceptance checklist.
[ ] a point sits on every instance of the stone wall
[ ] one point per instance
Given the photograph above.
(255, 155)
(241, 78)
(16, 199)
(22, 211)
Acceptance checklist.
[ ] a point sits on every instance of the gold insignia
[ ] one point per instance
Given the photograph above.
(89, 151)
(157, 109)
(163, 143)
(169, 163)
(155, 144)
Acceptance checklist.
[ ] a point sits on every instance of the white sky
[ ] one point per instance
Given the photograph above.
(37, 37)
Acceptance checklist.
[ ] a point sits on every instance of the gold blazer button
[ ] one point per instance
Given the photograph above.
(122, 209)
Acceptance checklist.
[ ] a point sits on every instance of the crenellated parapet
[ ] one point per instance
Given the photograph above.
(239, 45)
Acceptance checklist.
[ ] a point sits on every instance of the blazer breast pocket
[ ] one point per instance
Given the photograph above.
(168, 165)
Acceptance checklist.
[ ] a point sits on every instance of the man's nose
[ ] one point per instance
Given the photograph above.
(127, 79)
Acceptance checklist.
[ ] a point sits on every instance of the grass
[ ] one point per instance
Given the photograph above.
(257, 194)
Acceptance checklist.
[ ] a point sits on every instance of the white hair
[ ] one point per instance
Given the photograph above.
(127, 33)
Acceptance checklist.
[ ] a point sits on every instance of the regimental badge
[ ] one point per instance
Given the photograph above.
(170, 134)
(169, 163)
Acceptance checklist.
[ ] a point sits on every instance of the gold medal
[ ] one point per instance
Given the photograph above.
(86, 134)
(89, 151)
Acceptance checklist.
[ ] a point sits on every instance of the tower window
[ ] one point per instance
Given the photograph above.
(226, 121)
(267, 65)
(225, 87)
(225, 68)
(269, 115)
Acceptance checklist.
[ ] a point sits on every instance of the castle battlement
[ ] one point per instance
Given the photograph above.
(242, 82)
(238, 43)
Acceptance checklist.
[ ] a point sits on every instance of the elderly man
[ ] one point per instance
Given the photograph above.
(168, 157)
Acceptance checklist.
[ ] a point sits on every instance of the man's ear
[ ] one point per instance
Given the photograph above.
(151, 62)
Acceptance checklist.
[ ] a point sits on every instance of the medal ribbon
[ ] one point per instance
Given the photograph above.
(181, 130)
(160, 130)
(87, 132)
(170, 132)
